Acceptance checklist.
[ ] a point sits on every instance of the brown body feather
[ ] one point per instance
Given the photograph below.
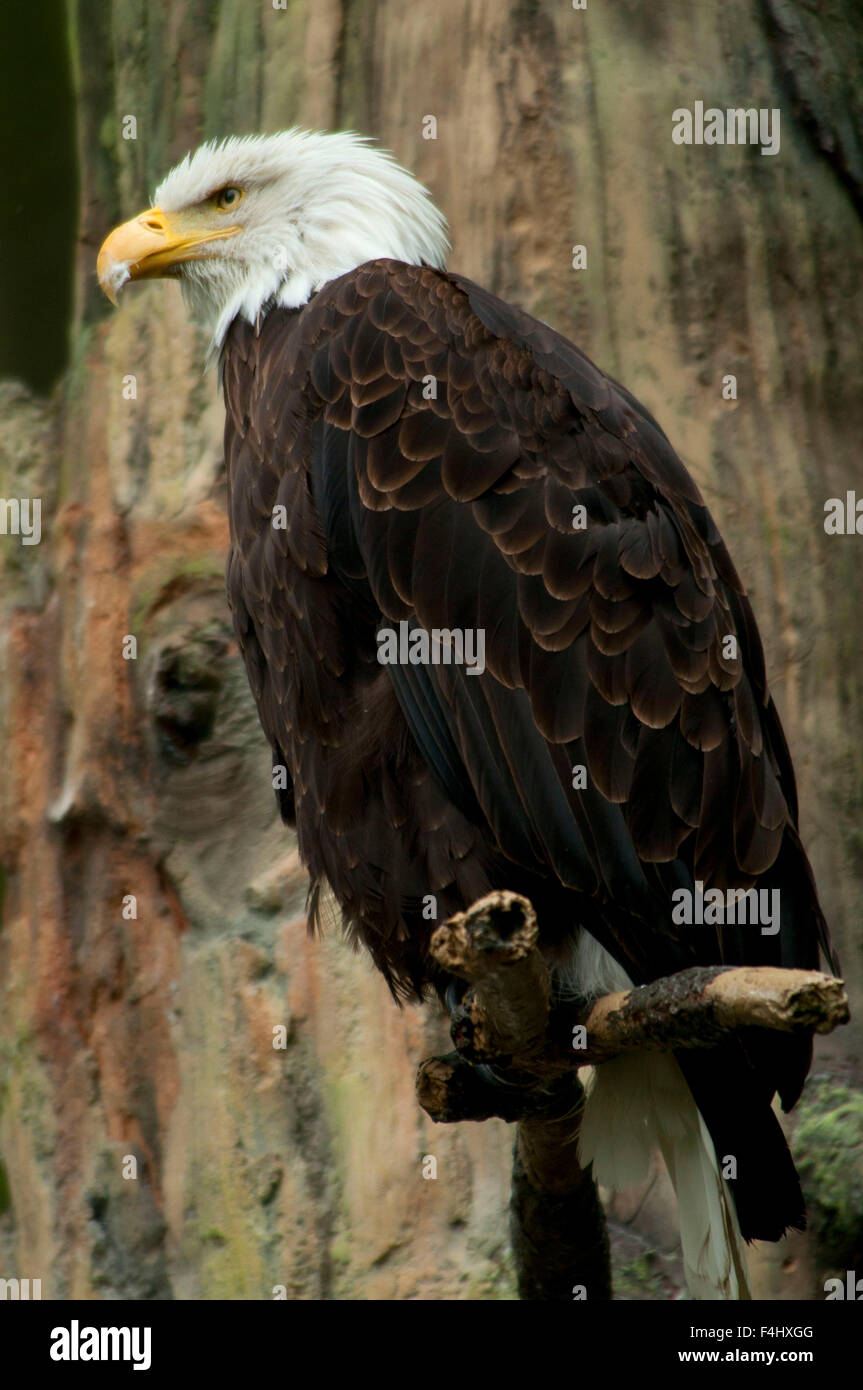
(429, 444)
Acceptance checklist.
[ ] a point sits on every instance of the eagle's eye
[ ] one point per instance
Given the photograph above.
(228, 198)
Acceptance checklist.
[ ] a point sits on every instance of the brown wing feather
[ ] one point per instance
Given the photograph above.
(477, 431)
(435, 452)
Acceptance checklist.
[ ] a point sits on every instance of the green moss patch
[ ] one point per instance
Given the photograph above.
(828, 1151)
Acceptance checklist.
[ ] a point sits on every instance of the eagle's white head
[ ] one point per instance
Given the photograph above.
(270, 219)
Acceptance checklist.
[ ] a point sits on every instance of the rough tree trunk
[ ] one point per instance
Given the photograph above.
(152, 1035)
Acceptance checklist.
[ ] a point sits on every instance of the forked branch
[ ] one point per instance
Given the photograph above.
(508, 1020)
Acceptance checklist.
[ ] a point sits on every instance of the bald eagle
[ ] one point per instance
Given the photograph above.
(417, 468)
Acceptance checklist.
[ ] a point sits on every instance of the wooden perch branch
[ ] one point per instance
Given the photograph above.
(507, 1020)
(494, 946)
(557, 1224)
(698, 1007)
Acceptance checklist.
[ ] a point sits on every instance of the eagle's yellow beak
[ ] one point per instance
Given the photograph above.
(152, 244)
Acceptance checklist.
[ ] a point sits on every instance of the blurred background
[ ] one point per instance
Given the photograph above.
(152, 934)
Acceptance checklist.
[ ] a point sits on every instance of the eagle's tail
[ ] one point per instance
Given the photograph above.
(640, 1102)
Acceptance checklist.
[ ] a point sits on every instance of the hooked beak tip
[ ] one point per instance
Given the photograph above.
(112, 275)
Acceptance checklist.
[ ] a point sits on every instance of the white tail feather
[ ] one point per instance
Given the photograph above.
(640, 1102)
